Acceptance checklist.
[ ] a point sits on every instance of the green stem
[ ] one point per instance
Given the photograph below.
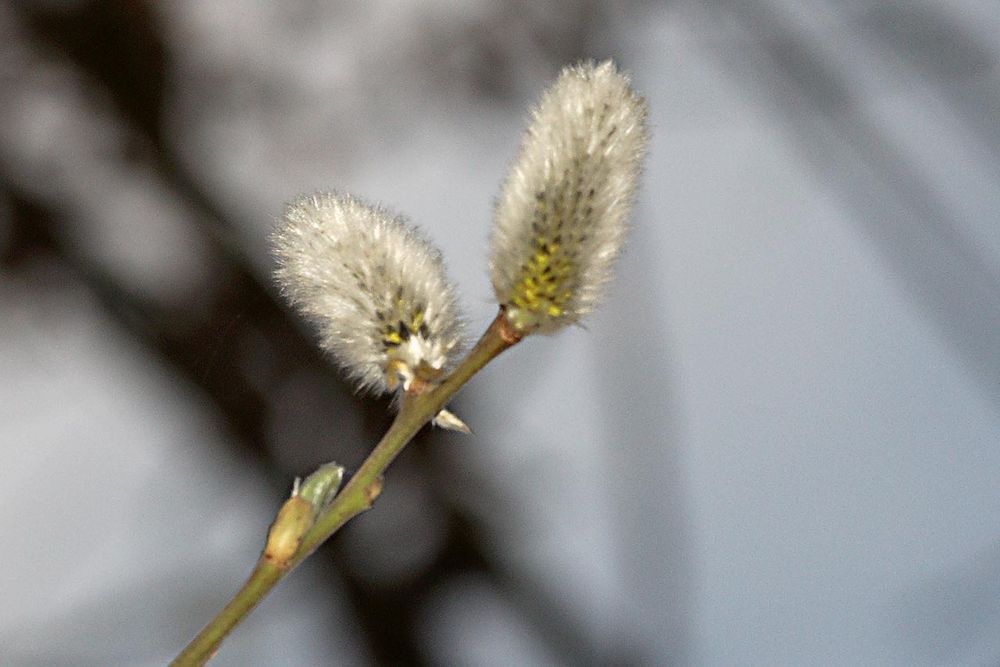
(357, 496)
(415, 411)
(204, 646)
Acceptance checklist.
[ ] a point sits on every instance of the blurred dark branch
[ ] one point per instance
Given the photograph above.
(236, 304)
(394, 611)
(119, 44)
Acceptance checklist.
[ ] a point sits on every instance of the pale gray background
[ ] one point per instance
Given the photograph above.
(777, 443)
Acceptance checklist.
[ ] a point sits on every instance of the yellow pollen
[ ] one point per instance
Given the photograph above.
(542, 286)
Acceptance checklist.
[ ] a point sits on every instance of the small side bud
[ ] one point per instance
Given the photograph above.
(447, 419)
(374, 285)
(293, 521)
(560, 220)
(321, 487)
(299, 512)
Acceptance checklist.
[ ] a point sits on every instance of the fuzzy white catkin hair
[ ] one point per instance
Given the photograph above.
(560, 219)
(376, 288)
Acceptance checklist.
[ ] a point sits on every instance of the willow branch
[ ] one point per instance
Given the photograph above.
(357, 496)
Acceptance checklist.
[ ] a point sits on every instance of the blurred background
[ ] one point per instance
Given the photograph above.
(777, 444)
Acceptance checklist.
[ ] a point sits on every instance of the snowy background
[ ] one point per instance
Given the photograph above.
(777, 444)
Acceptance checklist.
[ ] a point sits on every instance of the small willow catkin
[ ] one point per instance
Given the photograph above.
(376, 288)
(560, 220)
